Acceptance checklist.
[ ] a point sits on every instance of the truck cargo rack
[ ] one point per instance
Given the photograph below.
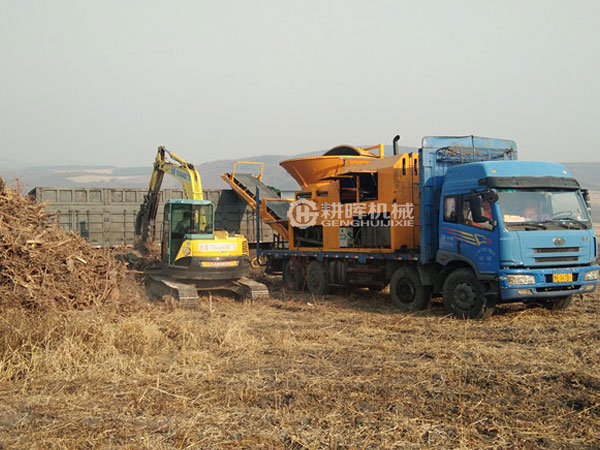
(273, 209)
(463, 155)
(451, 150)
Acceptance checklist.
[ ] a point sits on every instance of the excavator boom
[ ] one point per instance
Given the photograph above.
(178, 168)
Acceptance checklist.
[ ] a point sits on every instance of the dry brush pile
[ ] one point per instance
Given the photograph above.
(42, 266)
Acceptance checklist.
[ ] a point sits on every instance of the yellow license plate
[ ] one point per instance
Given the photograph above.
(219, 263)
(562, 277)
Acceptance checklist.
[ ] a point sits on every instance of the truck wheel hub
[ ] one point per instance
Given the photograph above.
(464, 296)
(406, 292)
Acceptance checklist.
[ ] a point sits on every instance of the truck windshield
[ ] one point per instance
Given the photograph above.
(191, 219)
(534, 209)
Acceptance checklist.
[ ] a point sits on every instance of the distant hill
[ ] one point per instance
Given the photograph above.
(30, 177)
(138, 177)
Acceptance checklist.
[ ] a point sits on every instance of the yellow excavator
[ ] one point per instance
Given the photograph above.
(194, 255)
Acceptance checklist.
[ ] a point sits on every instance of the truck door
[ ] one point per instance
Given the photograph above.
(465, 232)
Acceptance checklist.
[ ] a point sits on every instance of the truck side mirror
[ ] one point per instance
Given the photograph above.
(587, 199)
(491, 196)
(476, 207)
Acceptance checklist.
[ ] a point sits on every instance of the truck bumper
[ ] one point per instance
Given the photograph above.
(544, 287)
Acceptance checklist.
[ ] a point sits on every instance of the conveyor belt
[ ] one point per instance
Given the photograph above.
(250, 183)
(275, 213)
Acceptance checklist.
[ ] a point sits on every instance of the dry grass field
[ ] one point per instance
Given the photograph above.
(346, 371)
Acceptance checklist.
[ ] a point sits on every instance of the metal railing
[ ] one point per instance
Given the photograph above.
(261, 164)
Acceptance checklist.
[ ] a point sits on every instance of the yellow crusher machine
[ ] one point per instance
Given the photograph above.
(344, 183)
(194, 255)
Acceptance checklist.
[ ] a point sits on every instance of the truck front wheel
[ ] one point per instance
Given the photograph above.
(463, 296)
(407, 292)
(559, 303)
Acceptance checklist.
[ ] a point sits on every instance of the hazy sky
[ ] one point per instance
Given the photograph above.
(106, 82)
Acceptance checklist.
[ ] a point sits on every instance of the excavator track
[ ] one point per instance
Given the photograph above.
(251, 289)
(186, 293)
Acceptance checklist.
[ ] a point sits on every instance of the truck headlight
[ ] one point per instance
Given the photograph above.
(592, 275)
(520, 279)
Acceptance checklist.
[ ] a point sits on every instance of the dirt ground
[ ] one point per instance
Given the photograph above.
(344, 371)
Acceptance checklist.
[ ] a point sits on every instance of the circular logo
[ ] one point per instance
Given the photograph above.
(303, 213)
(558, 241)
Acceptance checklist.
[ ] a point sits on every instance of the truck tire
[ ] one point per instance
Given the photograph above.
(463, 296)
(407, 292)
(558, 303)
(317, 280)
(293, 276)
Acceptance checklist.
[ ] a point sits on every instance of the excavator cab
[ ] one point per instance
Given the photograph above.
(191, 248)
(184, 221)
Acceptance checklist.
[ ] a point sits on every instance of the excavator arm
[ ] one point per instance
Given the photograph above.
(165, 162)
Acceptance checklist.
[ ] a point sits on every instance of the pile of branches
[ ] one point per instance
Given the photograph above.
(42, 266)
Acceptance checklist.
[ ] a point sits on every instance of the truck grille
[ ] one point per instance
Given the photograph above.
(546, 259)
(556, 250)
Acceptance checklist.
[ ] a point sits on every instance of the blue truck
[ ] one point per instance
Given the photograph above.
(535, 244)
(487, 228)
